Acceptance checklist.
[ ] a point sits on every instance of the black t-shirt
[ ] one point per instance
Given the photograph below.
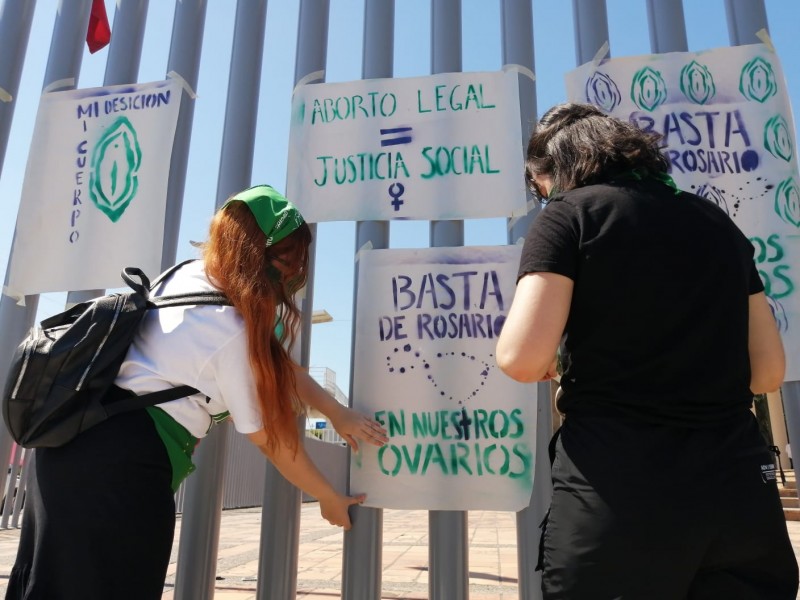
(658, 325)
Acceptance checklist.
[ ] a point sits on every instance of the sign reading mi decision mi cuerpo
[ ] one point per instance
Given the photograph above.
(726, 125)
(439, 147)
(461, 433)
(95, 187)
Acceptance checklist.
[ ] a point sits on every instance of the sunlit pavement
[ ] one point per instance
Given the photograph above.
(493, 573)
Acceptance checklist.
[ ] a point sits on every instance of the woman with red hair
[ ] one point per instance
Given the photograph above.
(100, 517)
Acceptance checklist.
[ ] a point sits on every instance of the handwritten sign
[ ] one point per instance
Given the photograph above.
(440, 147)
(462, 434)
(94, 193)
(728, 133)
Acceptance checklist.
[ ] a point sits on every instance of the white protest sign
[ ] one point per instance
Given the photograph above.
(727, 126)
(95, 187)
(461, 433)
(440, 147)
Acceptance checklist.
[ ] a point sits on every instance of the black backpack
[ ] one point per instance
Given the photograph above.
(61, 378)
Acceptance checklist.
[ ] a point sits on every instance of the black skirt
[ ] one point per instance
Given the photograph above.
(99, 517)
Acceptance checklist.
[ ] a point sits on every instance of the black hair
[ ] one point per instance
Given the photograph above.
(578, 144)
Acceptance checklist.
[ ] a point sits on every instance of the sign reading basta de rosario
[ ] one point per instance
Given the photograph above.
(727, 127)
(439, 147)
(461, 433)
(95, 187)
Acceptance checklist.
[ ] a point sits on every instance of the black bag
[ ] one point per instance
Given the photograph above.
(62, 375)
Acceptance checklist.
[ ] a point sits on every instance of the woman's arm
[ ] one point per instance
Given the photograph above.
(298, 469)
(767, 360)
(527, 346)
(349, 423)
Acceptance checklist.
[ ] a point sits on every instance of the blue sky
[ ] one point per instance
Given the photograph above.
(482, 51)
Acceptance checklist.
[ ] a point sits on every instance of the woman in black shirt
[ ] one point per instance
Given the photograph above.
(662, 485)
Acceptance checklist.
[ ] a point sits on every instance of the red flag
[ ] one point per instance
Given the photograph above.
(99, 33)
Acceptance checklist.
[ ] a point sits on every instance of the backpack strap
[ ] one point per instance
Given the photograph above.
(169, 272)
(120, 400)
(188, 298)
(143, 285)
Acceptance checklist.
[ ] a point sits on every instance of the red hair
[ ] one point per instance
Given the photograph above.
(239, 263)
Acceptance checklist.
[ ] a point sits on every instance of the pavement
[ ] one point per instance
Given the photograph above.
(493, 571)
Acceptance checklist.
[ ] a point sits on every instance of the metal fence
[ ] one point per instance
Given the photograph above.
(217, 478)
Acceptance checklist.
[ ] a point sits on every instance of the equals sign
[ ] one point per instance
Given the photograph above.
(396, 136)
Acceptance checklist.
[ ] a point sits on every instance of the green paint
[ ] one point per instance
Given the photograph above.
(397, 426)
(697, 83)
(413, 464)
(757, 80)
(364, 166)
(777, 139)
(479, 422)
(787, 202)
(114, 179)
(648, 90)
(459, 453)
(457, 459)
(455, 98)
(457, 160)
(350, 108)
(433, 454)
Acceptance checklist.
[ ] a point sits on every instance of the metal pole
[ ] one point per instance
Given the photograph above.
(591, 28)
(184, 59)
(16, 17)
(122, 66)
(517, 34)
(200, 524)
(363, 556)
(667, 26)
(745, 18)
(197, 556)
(280, 516)
(63, 66)
(448, 554)
(244, 82)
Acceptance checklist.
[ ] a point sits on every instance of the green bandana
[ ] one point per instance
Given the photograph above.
(276, 216)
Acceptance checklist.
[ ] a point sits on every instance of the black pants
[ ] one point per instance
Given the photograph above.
(99, 517)
(660, 513)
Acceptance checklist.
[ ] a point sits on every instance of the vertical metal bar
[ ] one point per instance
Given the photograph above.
(125, 50)
(362, 555)
(280, 516)
(517, 34)
(204, 492)
(241, 112)
(16, 17)
(15, 28)
(667, 26)
(184, 59)
(200, 524)
(448, 554)
(745, 18)
(122, 66)
(591, 28)
(64, 66)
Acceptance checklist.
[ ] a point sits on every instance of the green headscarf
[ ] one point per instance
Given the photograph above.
(275, 215)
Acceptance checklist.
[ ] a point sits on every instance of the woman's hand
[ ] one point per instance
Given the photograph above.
(351, 424)
(334, 508)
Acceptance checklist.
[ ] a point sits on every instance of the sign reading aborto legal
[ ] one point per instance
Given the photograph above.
(461, 433)
(95, 187)
(440, 147)
(728, 134)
